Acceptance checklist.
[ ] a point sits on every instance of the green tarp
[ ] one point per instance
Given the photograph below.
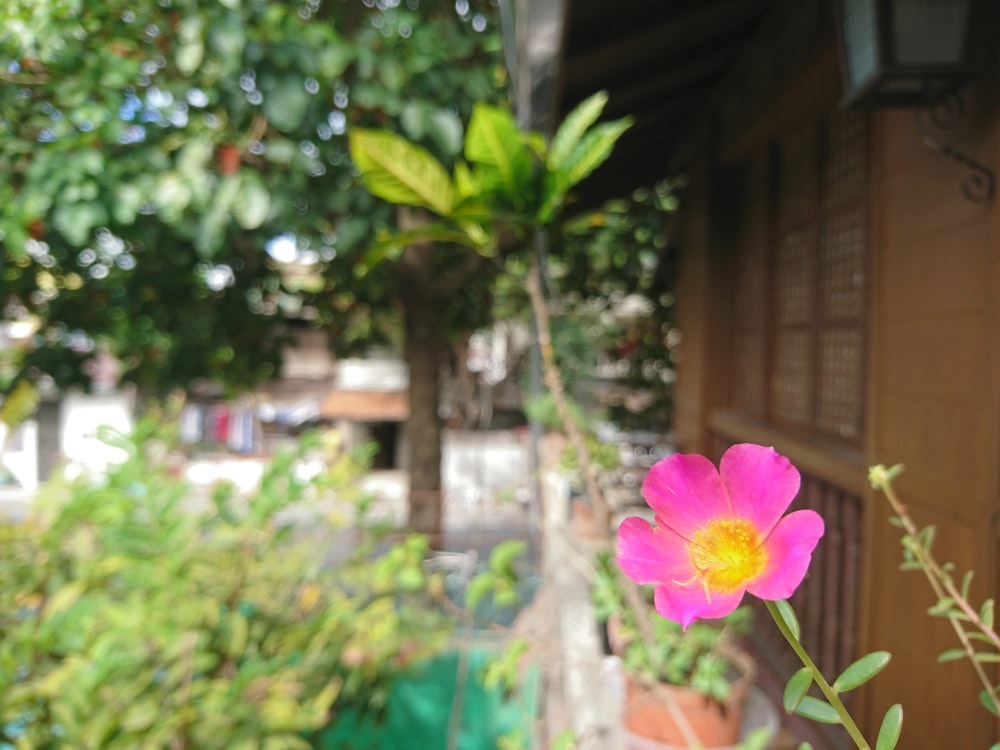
(419, 709)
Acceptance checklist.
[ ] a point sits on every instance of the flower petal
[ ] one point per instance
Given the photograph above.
(685, 604)
(652, 555)
(789, 549)
(685, 491)
(760, 482)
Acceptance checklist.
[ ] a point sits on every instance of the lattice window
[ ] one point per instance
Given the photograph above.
(800, 295)
(841, 355)
(843, 241)
(795, 278)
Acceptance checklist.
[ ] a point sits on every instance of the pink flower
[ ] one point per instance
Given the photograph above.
(719, 534)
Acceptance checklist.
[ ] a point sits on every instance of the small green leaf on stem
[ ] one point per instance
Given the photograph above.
(986, 613)
(951, 654)
(986, 657)
(925, 537)
(942, 607)
(862, 670)
(987, 700)
(503, 555)
(796, 689)
(817, 710)
(788, 615)
(478, 587)
(966, 582)
(892, 725)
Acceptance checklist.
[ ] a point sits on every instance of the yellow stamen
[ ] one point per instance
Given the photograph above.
(727, 555)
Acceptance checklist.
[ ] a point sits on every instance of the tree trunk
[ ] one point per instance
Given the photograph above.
(425, 347)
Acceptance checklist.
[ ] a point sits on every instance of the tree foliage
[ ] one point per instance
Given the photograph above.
(153, 148)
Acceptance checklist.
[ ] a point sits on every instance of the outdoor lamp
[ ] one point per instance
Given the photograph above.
(903, 53)
(914, 54)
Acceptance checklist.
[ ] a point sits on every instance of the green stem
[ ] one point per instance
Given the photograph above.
(828, 692)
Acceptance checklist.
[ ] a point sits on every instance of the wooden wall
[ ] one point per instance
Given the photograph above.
(934, 400)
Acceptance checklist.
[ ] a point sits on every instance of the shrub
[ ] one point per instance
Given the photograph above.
(133, 618)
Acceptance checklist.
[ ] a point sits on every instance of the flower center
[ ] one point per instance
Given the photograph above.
(727, 555)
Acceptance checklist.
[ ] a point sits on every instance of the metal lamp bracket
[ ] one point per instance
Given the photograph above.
(980, 185)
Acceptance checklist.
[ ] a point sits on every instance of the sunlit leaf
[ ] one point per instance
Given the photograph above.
(572, 128)
(493, 144)
(401, 172)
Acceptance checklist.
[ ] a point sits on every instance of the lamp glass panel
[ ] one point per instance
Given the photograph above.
(860, 34)
(929, 32)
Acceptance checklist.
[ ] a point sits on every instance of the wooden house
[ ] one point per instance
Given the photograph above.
(838, 298)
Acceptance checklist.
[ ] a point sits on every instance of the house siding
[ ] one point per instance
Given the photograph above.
(930, 395)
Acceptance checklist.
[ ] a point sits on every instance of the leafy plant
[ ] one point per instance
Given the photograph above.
(697, 658)
(604, 455)
(134, 615)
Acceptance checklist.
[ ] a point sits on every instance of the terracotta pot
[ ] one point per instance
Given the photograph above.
(583, 520)
(714, 724)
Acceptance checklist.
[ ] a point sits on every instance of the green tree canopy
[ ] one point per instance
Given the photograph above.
(153, 148)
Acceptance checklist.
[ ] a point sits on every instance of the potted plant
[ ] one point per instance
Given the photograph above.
(603, 455)
(701, 671)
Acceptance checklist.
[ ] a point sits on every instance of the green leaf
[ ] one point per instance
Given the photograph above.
(892, 725)
(966, 583)
(389, 246)
(788, 615)
(862, 670)
(64, 598)
(191, 46)
(797, 687)
(566, 740)
(505, 553)
(942, 607)
(446, 130)
(227, 38)
(76, 221)
(401, 172)
(986, 613)
(817, 710)
(251, 207)
(128, 200)
(986, 698)
(926, 536)
(590, 153)
(572, 128)
(985, 657)
(493, 143)
(951, 654)
(478, 587)
(285, 103)
(595, 148)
